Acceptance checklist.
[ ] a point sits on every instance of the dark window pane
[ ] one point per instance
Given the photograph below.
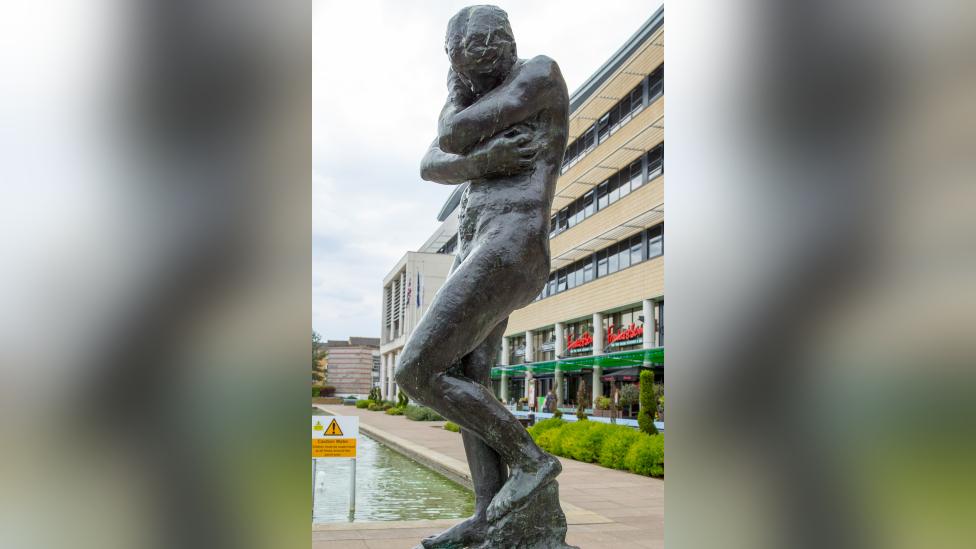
(603, 128)
(624, 255)
(588, 271)
(636, 175)
(635, 250)
(613, 261)
(588, 204)
(602, 196)
(656, 83)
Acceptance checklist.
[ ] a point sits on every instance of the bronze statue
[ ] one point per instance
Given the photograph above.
(503, 129)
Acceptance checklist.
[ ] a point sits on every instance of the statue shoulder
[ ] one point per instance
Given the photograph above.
(544, 70)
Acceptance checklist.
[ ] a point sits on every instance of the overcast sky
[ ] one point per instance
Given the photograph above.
(379, 73)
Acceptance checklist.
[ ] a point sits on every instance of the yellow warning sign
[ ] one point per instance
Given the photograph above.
(333, 448)
(333, 430)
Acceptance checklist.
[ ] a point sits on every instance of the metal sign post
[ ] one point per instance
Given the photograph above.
(336, 437)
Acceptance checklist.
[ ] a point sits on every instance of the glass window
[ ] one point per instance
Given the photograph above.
(588, 204)
(570, 216)
(614, 118)
(588, 271)
(635, 250)
(603, 198)
(589, 140)
(603, 126)
(624, 255)
(561, 281)
(570, 278)
(561, 222)
(552, 283)
(601, 264)
(614, 186)
(624, 183)
(655, 162)
(655, 241)
(637, 99)
(655, 84)
(636, 175)
(613, 261)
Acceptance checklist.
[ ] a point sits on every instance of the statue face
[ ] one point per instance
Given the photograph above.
(483, 55)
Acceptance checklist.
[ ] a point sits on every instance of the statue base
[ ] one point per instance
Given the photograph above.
(537, 523)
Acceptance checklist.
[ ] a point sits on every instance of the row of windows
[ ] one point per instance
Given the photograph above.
(631, 251)
(651, 88)
(613, 189)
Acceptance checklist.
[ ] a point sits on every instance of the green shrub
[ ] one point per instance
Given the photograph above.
(326, 391)
(557, 414)
(615, 447)
(565, 443)
(587, 447)
(629, 395)
(421, 413)
(374, 407)
(452, 427)
(648, 404)
(541, 427)
(603, 403)
(646, 456)
(402, 400)
(361, 404)
(374, 394)
(394, 411)
(315, 391)
(546, 440)
(386, 405)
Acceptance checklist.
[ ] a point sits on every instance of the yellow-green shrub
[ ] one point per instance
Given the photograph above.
(615, 447)
(646, 456)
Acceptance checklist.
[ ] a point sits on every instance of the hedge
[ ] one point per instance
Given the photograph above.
(394, 411)
(362, 404)
(421, 413)
(452, 427)
(613, 446)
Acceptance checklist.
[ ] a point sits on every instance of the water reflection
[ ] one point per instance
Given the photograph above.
(389, 487)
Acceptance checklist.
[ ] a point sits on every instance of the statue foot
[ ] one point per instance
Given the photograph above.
(522, 482)
(459, 535)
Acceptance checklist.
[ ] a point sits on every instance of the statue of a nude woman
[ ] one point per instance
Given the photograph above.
(503, 129)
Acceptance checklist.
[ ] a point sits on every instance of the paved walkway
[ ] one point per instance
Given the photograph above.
(604, 508)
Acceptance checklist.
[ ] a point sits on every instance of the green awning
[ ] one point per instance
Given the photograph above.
(620, 359)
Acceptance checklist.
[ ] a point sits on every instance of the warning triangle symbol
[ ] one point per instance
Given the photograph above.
(333, 429)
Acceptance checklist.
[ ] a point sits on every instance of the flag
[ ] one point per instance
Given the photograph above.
(420, 291)
(408, 290)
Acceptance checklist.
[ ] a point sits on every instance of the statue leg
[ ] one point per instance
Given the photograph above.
(488, 472)
(461, 318)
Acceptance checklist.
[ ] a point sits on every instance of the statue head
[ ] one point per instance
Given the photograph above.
(481, 46)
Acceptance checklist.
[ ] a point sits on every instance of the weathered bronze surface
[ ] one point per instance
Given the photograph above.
(503, 129)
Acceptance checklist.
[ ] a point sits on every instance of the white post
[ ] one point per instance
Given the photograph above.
(649, 332)
(391, 359)
(598, 338)
(352, 491)
(655, 323)
(560, 339)
(396, 391)
(529, 350)
(383, 376)
(504, 388)
(505, 350)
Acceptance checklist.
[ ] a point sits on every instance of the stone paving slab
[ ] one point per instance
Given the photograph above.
(605, 508)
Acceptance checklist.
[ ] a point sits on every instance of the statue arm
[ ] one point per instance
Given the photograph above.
(451, 169)
(536, 87)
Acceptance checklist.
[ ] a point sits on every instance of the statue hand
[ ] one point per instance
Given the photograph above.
(511, 152)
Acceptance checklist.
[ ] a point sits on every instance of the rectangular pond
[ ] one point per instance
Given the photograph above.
(389, 487)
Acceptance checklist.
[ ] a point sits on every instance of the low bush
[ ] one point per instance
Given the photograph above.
(374, 407)
(452, 427)
(546, 439)
(569, 436)
(361, 404)
(386, 405)
(421, 413)
(326, 391)
(646, 456)
(615, 447)
(374, 394)
(315, 391)
(394, 411)
(603, 403)
(541, 427)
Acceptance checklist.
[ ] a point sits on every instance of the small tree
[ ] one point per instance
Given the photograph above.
(648, 404)
(629, 395)
(581, 401)
(319, 354)
(375, 395)
(402, 400)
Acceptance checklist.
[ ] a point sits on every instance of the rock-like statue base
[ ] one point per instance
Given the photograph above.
(538, 523)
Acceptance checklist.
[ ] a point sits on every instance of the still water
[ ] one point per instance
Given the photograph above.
(389, 486)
